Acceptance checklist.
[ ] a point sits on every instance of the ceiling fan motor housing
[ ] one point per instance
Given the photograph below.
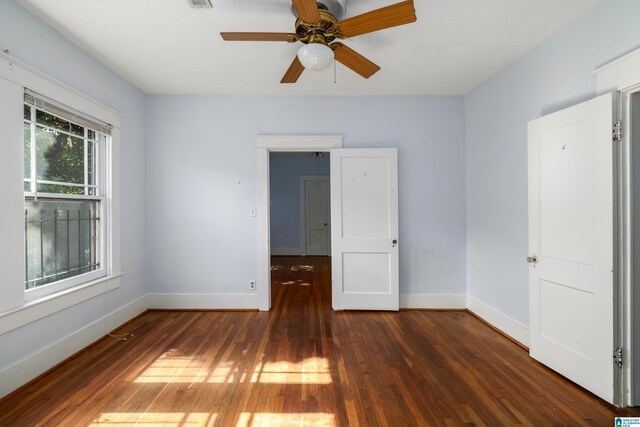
(338, 8)
(324, 32)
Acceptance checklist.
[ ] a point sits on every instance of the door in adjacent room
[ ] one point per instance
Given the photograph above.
(315, 215)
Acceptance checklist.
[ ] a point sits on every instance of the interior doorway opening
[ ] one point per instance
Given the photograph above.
(300, 228)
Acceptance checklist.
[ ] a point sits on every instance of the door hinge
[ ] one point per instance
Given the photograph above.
(617, 357)
(617, 131)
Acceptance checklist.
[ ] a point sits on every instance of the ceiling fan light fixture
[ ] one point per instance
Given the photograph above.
(315, 56)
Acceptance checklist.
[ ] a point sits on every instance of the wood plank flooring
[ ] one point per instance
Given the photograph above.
(304, 365)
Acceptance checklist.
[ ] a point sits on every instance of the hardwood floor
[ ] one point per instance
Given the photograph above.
(304, 365)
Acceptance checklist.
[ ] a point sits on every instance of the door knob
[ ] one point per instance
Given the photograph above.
(532, 259)
(394, 242)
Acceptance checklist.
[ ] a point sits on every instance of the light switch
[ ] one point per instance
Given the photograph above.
(252, 211)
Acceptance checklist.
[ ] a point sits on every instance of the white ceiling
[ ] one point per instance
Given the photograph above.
(166, 47)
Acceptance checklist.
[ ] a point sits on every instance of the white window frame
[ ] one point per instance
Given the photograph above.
(102, 186)
(16, 309)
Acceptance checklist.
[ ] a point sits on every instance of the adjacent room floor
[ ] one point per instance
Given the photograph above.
(303, 364)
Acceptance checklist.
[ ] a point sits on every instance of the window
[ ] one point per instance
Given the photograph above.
(64, 219)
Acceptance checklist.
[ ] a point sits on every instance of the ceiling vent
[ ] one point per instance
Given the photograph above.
(200, 4)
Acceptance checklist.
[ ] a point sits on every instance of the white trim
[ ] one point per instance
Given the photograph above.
(12, 261)
(30, 367)
(434, 301)
(298, 143)
(54, 288)
(506, 324)
(26, 76)
(203, 301)
(620, 74)
(43, 307)
(265, 144)
(263, 241)
(287, 251)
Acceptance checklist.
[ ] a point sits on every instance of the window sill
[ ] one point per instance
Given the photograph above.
(46, 306)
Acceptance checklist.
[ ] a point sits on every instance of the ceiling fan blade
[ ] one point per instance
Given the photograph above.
(379, 19)
(259, 37)
(293, 73)
(352, 59)
(307, 10)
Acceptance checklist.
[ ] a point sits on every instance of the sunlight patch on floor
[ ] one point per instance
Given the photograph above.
(186, 370)
(296, 282)
(313, 370)
(302, 268)
(155, 419)
(309, 419)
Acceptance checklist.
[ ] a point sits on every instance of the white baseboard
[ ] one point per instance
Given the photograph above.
(23, 371)
(286, 251)
(203, 301)
(506, 324)
(433, 301)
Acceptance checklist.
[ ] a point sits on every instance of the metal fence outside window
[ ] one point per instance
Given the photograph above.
(61, 240)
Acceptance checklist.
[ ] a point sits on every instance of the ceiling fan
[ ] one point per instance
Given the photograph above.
(318, 26)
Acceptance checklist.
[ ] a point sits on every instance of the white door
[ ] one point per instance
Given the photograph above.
(316, 215)
(364, 224)
(571, 239)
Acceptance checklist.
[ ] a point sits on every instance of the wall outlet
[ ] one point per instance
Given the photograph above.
(252, 285)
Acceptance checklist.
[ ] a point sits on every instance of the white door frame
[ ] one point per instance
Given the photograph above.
(623, 75)
(264, 145)
(303, 210)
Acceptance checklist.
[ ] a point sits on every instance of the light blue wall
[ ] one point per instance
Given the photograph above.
(202, 175)
(284, 180)
(554, 75)
(35, 43)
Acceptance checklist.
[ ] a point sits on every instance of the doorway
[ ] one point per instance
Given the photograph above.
(364, 218)
(299, 215)
(299, 204)
(266, 145)
(611, 172)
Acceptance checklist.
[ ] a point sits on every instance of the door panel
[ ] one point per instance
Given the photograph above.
(364, 217)
(566, 193)
(571, 236)
(365, 188)
(366, 273)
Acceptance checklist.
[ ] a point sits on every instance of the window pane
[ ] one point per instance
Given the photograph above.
(27, 186)
(62, 240)
(27, 112)
(47, 119)
(60, 158)
(59, 189)
(27, 150)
